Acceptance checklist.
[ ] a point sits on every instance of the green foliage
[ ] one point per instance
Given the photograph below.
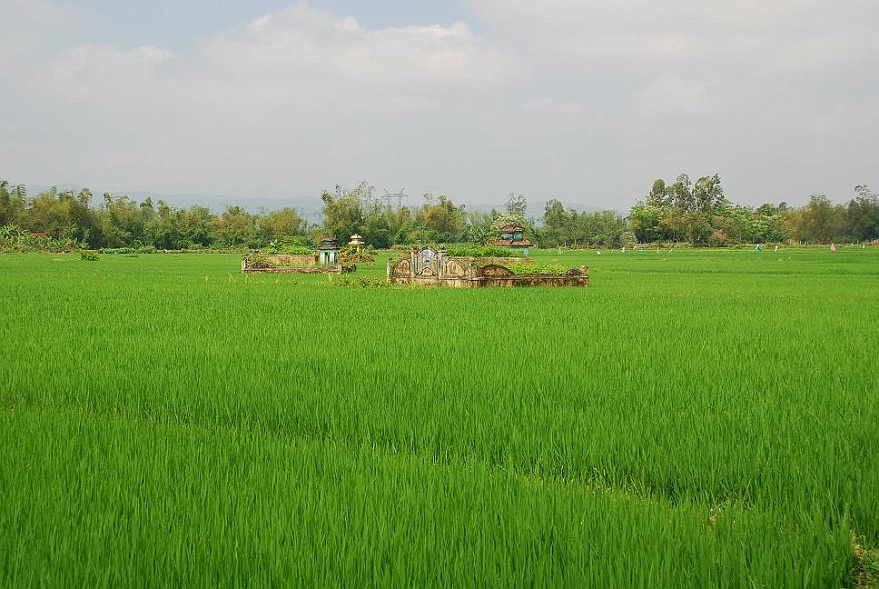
(119, 250)
(819, 221)
(343, 210)
(361, 282)
(261, 261)
(702, 215)
(350, 255)
(682, 211)
(279, 247)
(12, 202)
(537, 268)
(120, 222)
(15, 239)
(89, 256)
(477, 251)
(570, 228)
(867, 560)
(514, 214)
(285, 225)
(440, 220)
(696, 213)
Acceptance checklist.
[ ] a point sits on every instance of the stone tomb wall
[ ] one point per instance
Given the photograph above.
(433, 267)
(287, 264)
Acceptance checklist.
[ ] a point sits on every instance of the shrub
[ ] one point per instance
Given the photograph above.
(478, 251)
(538, 269)
(259, 261)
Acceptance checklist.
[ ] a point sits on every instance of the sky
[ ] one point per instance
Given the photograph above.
(582, 101)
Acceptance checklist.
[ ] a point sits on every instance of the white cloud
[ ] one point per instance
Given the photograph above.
(677, 28)
(673, 96)
(92, 62)
(752, 89)
(314, 44)
(547, 105)
(33, 27)
(293, 93)
(582, 100)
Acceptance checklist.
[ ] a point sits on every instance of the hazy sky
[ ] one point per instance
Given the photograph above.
(579, 100)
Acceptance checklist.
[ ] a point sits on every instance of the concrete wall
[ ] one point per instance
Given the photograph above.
(290, 264)
(458, 272)
(300, 260)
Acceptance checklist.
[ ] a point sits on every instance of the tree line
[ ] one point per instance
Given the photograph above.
(696, 213)
(67, 216)
(700, 214)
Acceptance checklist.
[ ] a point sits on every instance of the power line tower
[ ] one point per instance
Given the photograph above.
(395, 199)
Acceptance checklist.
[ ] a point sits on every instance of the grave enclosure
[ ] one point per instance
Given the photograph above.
(427, 266)
(324, 261)
(292, 264)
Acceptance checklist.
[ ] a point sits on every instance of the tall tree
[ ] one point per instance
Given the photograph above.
(194, 227)
(122, 222)
(680, 194)
(6, 215)
(282, 224)
(658, 197)
(820, 221)
(862, 215)
(644, 222)
(234, 227)
(62, 215)
(343, 210)
(708, 194)
(516, 205)
(556, 224)
(514, 213)
(441, 220)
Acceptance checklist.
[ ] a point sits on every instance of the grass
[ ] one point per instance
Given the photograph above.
(698, 418)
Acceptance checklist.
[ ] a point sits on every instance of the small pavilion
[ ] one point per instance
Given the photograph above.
(356, 242)
(512, 236)
(328, 252)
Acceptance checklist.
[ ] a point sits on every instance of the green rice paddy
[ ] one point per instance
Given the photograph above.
(694, 418)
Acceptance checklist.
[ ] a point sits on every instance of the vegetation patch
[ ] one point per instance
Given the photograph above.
(867, 559)
(477, 251)
(261, 262)
(538, 268)
(294, 247)
(362, 282)
(350, 255)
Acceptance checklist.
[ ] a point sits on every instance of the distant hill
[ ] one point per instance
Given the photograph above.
(309, 207)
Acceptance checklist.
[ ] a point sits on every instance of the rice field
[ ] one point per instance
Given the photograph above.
(692, 419)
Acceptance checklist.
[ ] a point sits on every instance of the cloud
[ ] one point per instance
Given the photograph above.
(294, 92)
(93, 63)
(751, 89)
(673, 96)
(25, 27)
(678, 28)
(581, 100)
(300, 45)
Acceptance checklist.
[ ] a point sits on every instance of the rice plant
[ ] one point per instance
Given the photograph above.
(699, 418)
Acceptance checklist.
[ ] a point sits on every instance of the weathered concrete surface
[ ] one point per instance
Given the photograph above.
(287, 264)
(432, 267)
(579, 279)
